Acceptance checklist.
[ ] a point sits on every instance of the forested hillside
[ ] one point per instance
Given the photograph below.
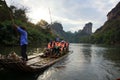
(13, 15)
(109, 33)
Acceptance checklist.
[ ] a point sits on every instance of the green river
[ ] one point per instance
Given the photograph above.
(86, 62)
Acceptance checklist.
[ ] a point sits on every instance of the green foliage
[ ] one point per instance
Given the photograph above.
(108, 34)
(38, 36)
(19, 14)
(10, 36)
(7, 34)
(69, 37)
(4, 11)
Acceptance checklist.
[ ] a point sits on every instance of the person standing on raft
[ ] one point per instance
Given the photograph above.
(23, 41)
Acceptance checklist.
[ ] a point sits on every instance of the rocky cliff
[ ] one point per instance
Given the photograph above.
(88, 28)
(109, 33)
(84, 33)
(57, 29)
(114, 13)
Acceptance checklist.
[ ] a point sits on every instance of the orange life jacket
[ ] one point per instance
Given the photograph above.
(67, 44)
(62, 45)
(49, 45)
(57, 44)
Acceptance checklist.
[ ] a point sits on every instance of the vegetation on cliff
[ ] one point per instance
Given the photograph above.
(8, 35)
(76, 37)
(109, 33)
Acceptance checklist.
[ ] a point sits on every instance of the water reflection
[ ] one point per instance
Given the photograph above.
(87, 62)
(57, 70)
(87, 51)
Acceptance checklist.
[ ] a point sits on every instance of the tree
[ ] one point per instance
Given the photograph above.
(4, 11)
(19, 14)
(42, 23)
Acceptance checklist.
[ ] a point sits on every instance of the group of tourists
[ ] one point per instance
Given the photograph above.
(56, 48)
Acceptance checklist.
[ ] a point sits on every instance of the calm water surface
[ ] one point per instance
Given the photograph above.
(85, 62)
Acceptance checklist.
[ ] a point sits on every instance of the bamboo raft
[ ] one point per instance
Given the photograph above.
(34, 64)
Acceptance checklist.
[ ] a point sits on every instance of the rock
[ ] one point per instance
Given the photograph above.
(88, 28)
(114, 13)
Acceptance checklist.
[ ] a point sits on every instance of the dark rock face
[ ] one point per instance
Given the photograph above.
(57, 29)
(114, 13)
(88, 28)
(109, 33)
(84, 33)
(113, 18)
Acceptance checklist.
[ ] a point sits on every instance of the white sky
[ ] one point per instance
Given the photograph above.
(72, 14)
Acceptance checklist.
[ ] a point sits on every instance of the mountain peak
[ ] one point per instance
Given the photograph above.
(114, 13)
(88, 28)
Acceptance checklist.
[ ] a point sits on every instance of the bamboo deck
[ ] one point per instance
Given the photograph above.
(34, 64)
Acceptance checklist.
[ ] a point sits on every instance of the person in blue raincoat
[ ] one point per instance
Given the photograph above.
(23, 41)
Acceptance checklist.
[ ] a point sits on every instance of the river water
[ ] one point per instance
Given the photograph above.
(84, 62)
